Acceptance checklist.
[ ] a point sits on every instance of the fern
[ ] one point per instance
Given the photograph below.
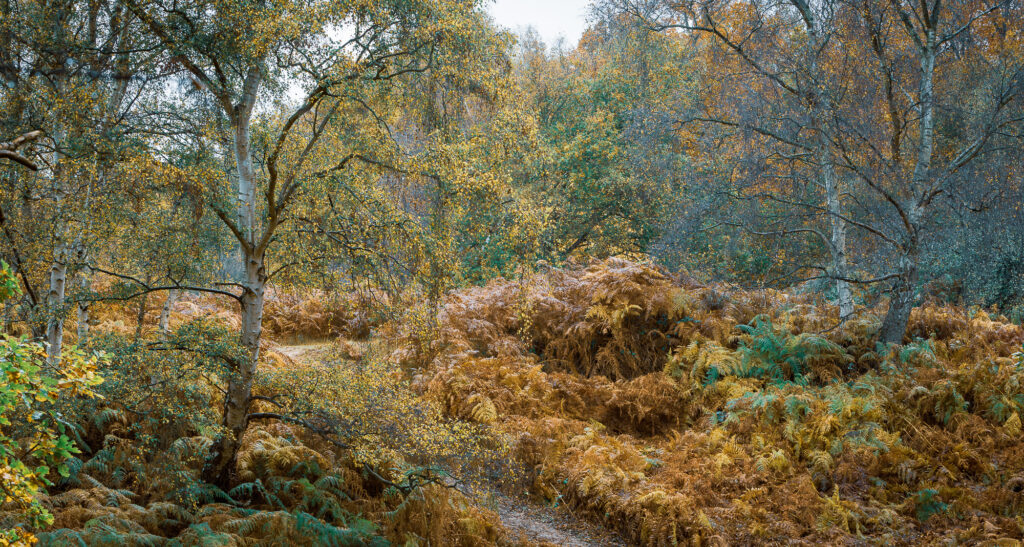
(251, 490)
(100, 463)
(194, 493)
(104, 530)
(920, 352)
(303, 526)
(359, 532)
(927, 505)
(104, 417)
(74, 468)
(779, 355)
(201, 534)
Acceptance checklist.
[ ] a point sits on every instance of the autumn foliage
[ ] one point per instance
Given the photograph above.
(681, 413)
(665, 409)
(306, 272)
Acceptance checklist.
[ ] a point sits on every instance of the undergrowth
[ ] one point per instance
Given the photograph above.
(352, 455)
(680, 413)
(672, 412)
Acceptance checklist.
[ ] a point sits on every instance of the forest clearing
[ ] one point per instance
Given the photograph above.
(391, 272)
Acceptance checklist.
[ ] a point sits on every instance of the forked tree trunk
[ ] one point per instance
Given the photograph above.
(894, 326)
(239, 390)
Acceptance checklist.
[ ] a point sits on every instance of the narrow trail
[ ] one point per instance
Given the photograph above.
(545, 525)
(299, 353)
(523, 518)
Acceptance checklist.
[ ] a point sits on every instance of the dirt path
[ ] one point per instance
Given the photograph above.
(525, 519)
(541, 524)
(296, 353)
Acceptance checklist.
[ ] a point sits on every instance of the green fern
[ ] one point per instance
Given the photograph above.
(194, 493)
(255, 491)
(927, 505)
(105, 530)
(777, 354)
(303, 526)
(103, 418)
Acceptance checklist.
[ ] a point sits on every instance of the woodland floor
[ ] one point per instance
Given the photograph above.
(303, 352)
(524, 518)
(543, 524)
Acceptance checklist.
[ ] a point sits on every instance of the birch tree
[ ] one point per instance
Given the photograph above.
(861, 112)
(70, 70)
(341, 55)
(920, 164)
(783, 52)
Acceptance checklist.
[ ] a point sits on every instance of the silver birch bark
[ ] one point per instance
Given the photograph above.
(164, 324)
(55, 305)
(239, 392)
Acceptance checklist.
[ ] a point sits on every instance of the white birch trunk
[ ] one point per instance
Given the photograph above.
(826, 163)
(239, 391)
(164, 324)
(55, 306)
(83, 307)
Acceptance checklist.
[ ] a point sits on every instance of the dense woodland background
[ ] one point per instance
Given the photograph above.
(746, 231)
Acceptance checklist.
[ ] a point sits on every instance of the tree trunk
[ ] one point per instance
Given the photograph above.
(844, 294)
(239, 391)
(165, 314)
(246, 180)
(243, 157)
(894, 326)
(84, 315)
(140, 317)
(820, 104)
(840, 268)
(55, 306)
(83, 304)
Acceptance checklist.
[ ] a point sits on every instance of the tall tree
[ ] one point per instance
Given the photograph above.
(910, 42)
(780, 56)
(71, 69)
(343, 55)
(833, 91)
(608, 165)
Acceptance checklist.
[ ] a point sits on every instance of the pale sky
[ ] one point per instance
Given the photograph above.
(551, 18)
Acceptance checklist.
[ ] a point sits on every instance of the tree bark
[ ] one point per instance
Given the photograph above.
(165, 314)
(140, 317)
(246, 180)
(83, 308)
(239, 390)
(243, 156)
(840, 268)
(901, 303)
(55, 306)
(894, 326)
(820, 103)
